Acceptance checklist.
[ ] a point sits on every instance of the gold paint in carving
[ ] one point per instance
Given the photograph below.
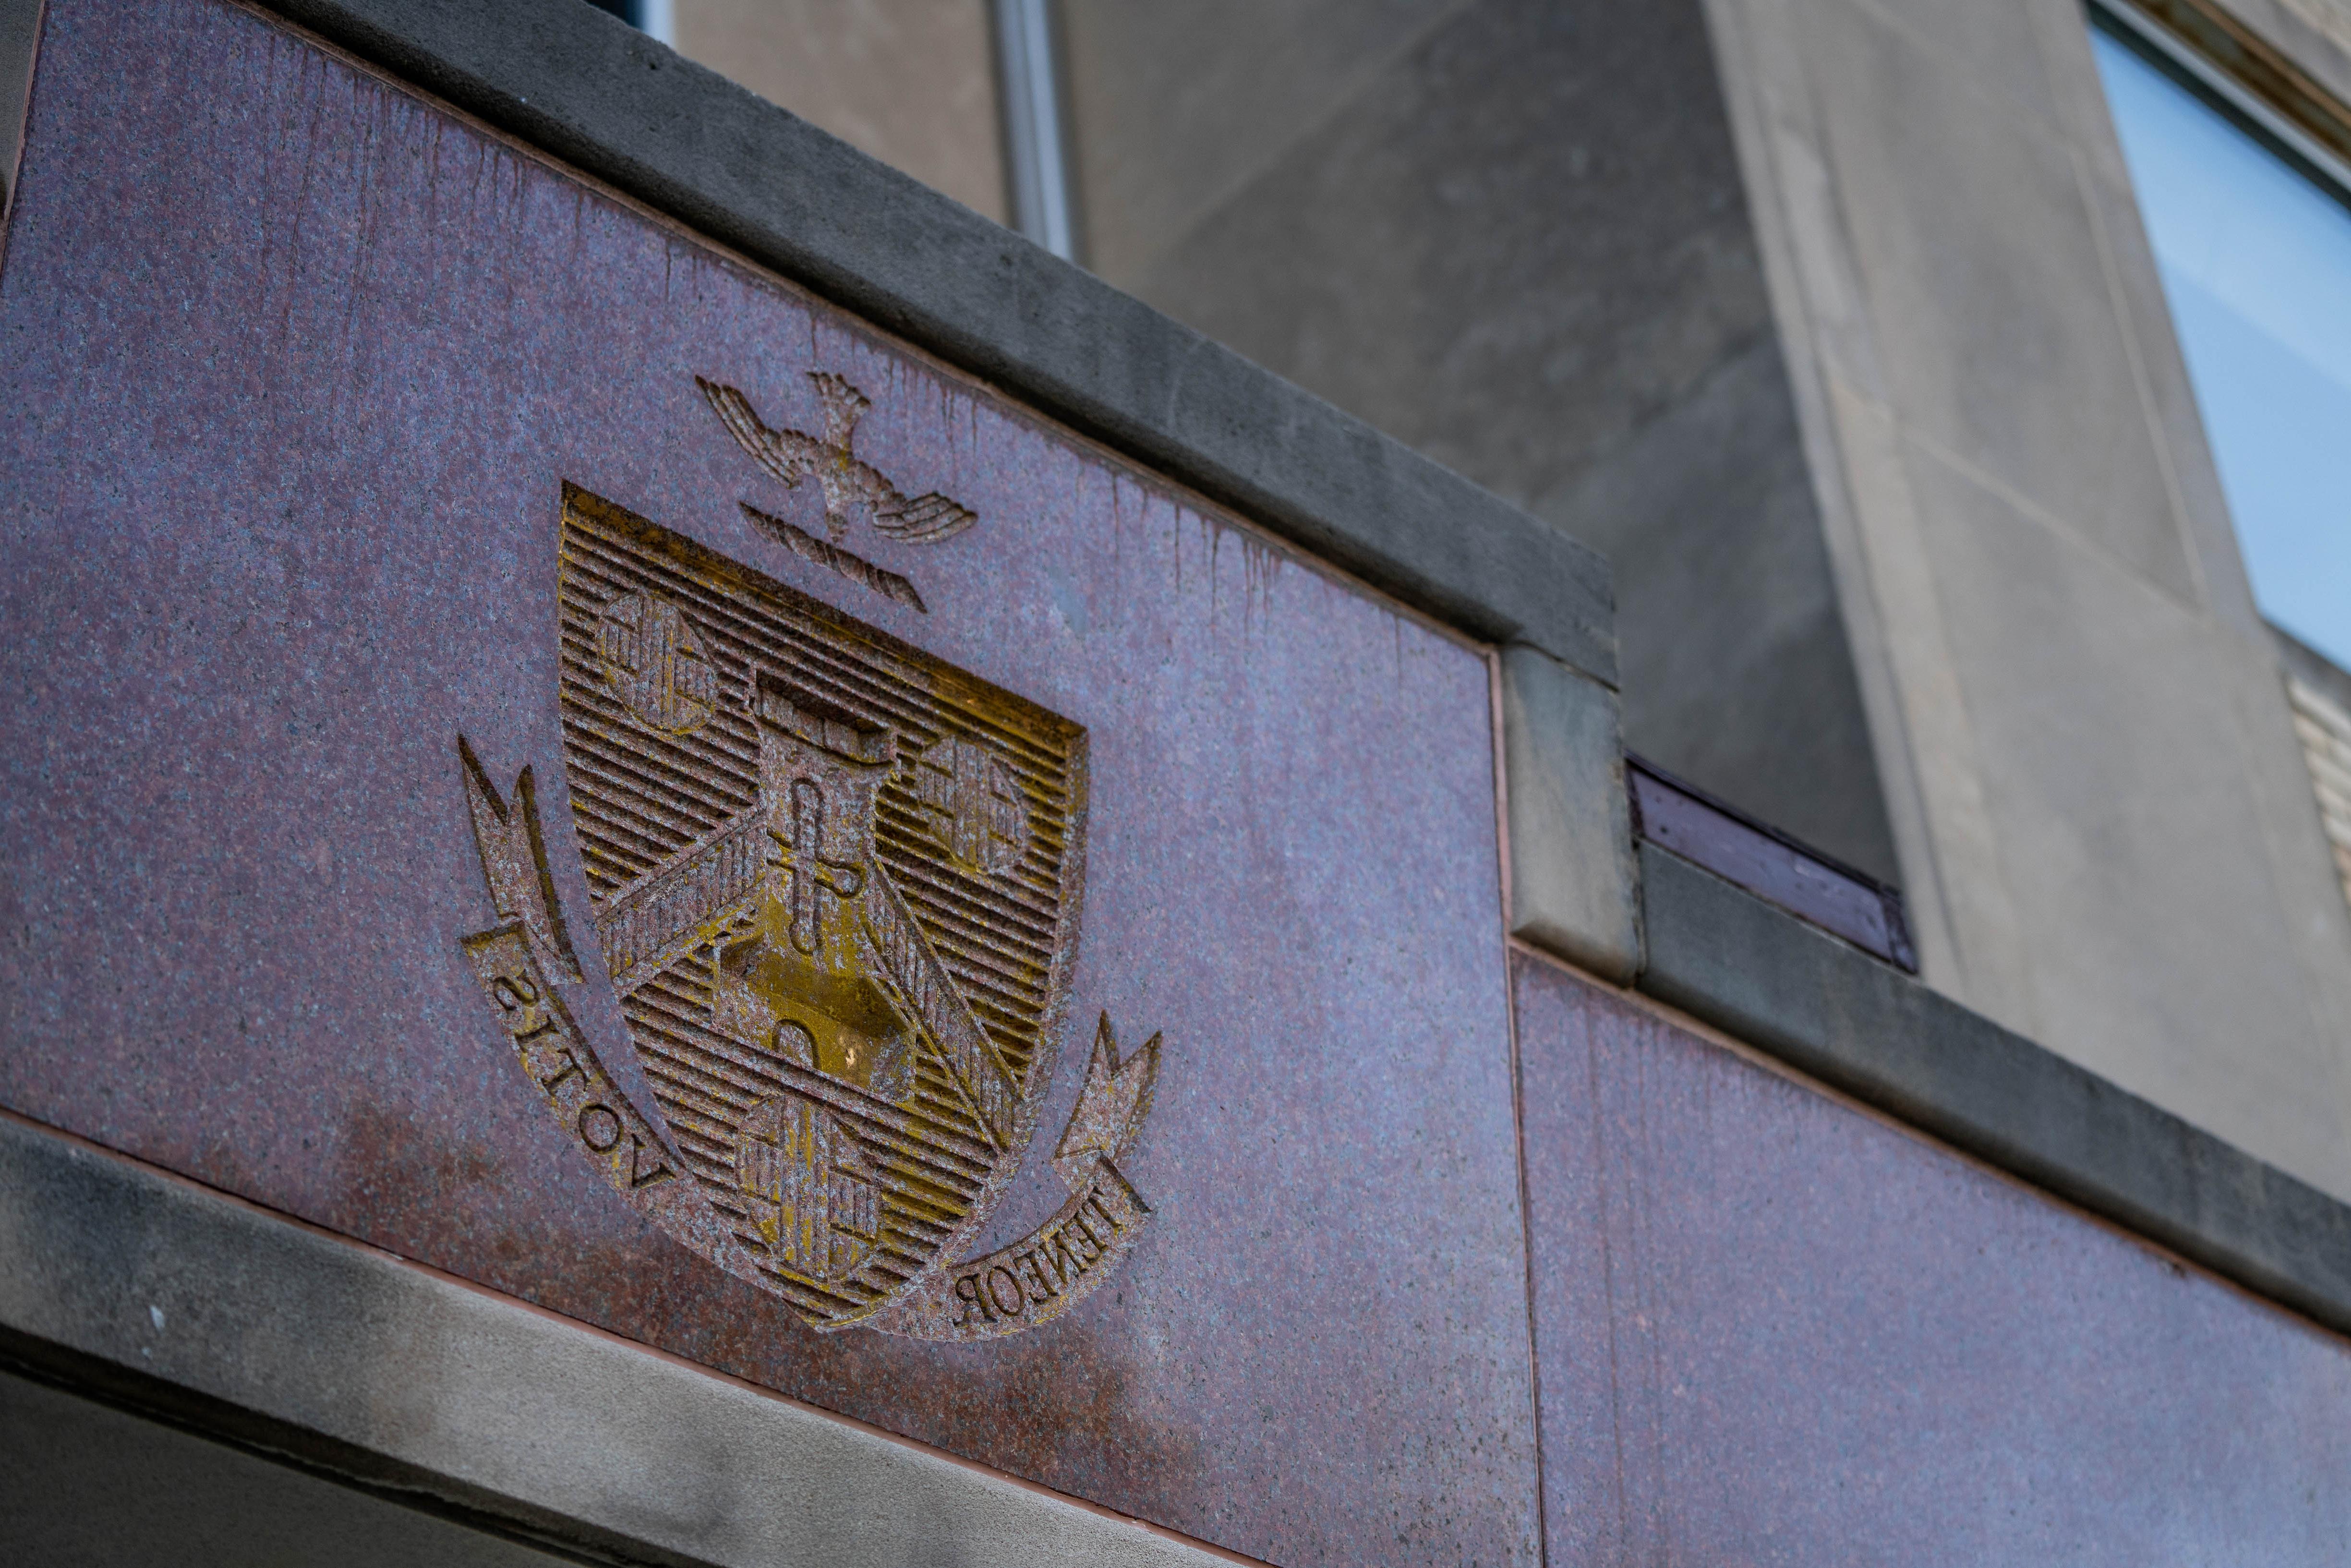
(808, 1187)
(836, 883)
(798, 975)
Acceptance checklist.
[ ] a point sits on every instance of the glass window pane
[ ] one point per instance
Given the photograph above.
(2256, 261)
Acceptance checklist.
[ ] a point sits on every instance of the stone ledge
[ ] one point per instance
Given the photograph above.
(1830, 1011)
(158, 1292)
(594, 92)
(97, 1467)
(1574, 884)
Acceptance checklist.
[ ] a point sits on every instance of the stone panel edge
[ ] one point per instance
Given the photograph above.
(153, 1291)
(595, 93)
(1835, 1014)
(1573, 881)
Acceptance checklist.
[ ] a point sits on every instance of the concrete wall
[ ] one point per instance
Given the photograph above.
(1512, 234)
(2331, 18)
(1831, 322)
(2105, 828)
(18, 18)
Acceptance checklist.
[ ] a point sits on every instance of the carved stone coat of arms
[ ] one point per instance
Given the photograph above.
(835, 883)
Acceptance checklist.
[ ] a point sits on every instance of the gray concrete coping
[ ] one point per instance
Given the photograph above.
(1572, 877)
(594, 92)
(1836, 1014)
(218, 1316)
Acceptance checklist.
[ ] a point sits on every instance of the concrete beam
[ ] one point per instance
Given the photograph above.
(349, 1361)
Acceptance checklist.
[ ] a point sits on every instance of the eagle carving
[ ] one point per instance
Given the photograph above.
(793, 455)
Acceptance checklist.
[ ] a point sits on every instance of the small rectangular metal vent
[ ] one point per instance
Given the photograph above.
(1769, 864)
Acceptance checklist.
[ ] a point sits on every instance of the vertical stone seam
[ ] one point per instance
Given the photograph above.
(1527, 1252)
(1497, 718)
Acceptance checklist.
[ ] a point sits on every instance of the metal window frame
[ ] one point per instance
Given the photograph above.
(2245, 79)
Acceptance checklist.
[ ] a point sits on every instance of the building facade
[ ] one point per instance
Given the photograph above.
(1684, 662)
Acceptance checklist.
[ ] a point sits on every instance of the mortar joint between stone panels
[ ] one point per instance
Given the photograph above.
(1527, 1261)
(1498, 721)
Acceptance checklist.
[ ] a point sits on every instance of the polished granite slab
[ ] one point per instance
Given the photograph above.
(1776, 1328)
(310, 377)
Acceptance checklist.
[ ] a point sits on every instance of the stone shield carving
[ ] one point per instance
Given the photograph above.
(836, 883)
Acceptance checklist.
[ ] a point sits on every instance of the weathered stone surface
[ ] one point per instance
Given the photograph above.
(306, 363)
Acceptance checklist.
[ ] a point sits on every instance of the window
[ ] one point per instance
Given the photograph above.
(2251, 229)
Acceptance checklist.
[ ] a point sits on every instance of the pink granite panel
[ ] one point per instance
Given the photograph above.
(1774, 1330)
(297, 365)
